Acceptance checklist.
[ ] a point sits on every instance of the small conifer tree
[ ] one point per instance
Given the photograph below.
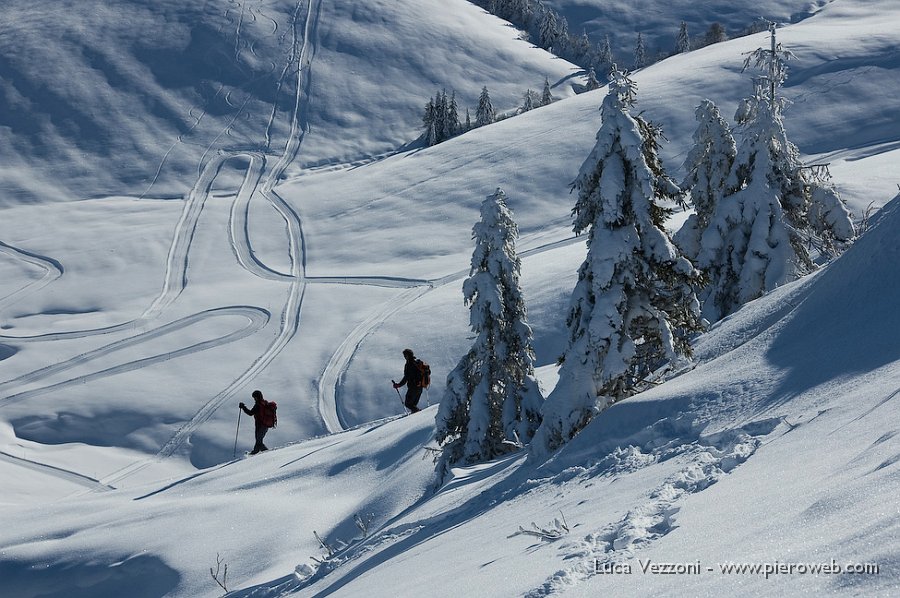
(546, 96)
(492, 402)
(683, 40)
(484, 114)
(708, 165)
(640, 54)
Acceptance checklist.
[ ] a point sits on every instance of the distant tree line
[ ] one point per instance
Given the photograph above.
(441, 118)
(549, 30)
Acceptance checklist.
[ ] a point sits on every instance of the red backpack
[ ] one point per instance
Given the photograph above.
(267, 413)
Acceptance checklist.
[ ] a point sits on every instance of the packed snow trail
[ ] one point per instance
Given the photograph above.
(256, 320)
(51, 268)
(337, 365)
(56, 472)
(301, 54)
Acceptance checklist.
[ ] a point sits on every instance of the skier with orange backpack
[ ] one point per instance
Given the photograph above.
(265, 417)
(416, 377)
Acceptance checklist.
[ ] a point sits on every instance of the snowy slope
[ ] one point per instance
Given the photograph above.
(659, 22)
(128, 98)
(132, 327)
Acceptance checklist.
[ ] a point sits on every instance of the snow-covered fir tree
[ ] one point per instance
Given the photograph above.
(431, 136)
(683, 39)
(441, 118)
(484, 114)
(530, 100)
(708, 165)
(434, 119)
(549, 30)
(565, 42)
(428, 119)
(592, 82)
(492, 402)
(634, 306)
(759, 234)
(640, 54)
(828, 215)
(584, 50)
(546, 96)
(515, 11)
(715, 34)
(604, 55)
(452, 123)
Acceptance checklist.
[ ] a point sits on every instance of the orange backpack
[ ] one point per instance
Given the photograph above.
(424, 373)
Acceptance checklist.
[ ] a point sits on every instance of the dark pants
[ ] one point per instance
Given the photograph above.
(413, 394)
(260, 434)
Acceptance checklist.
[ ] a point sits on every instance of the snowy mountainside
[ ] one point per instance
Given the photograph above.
(700, 470)
(130, 328)
(131, 97)
(664, 477)
(659, 22)
(535, 156)
(268, 507)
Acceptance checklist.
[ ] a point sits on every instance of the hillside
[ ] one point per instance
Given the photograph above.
(130, 97)
(659, 22)
(199, 200)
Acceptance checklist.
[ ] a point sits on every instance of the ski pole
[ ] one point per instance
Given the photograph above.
(236, 434)
(398, 394)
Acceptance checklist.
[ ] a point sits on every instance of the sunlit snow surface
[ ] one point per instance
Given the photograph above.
(199, 200)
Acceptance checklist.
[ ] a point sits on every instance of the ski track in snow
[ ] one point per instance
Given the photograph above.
(256, 320)
(256, 181)
(301, 55)
(57, 472)
(51, 268)
(340, 360)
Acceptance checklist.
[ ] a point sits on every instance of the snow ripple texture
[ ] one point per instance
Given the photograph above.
(707, 459)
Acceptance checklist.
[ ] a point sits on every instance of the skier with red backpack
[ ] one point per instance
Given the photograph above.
(416, 377)
(265, 417)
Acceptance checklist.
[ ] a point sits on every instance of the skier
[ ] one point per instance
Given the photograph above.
(412, 378)
(261, 427)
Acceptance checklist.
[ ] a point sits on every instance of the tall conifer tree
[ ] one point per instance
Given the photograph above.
(492, 402)
(633, 307)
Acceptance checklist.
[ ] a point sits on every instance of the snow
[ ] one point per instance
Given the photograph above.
(164, 251)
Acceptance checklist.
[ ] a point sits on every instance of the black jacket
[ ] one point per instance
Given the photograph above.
(255, 411)
(411, 374)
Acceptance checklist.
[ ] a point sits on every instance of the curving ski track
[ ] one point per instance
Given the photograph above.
(301, 55)
(51, 268)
